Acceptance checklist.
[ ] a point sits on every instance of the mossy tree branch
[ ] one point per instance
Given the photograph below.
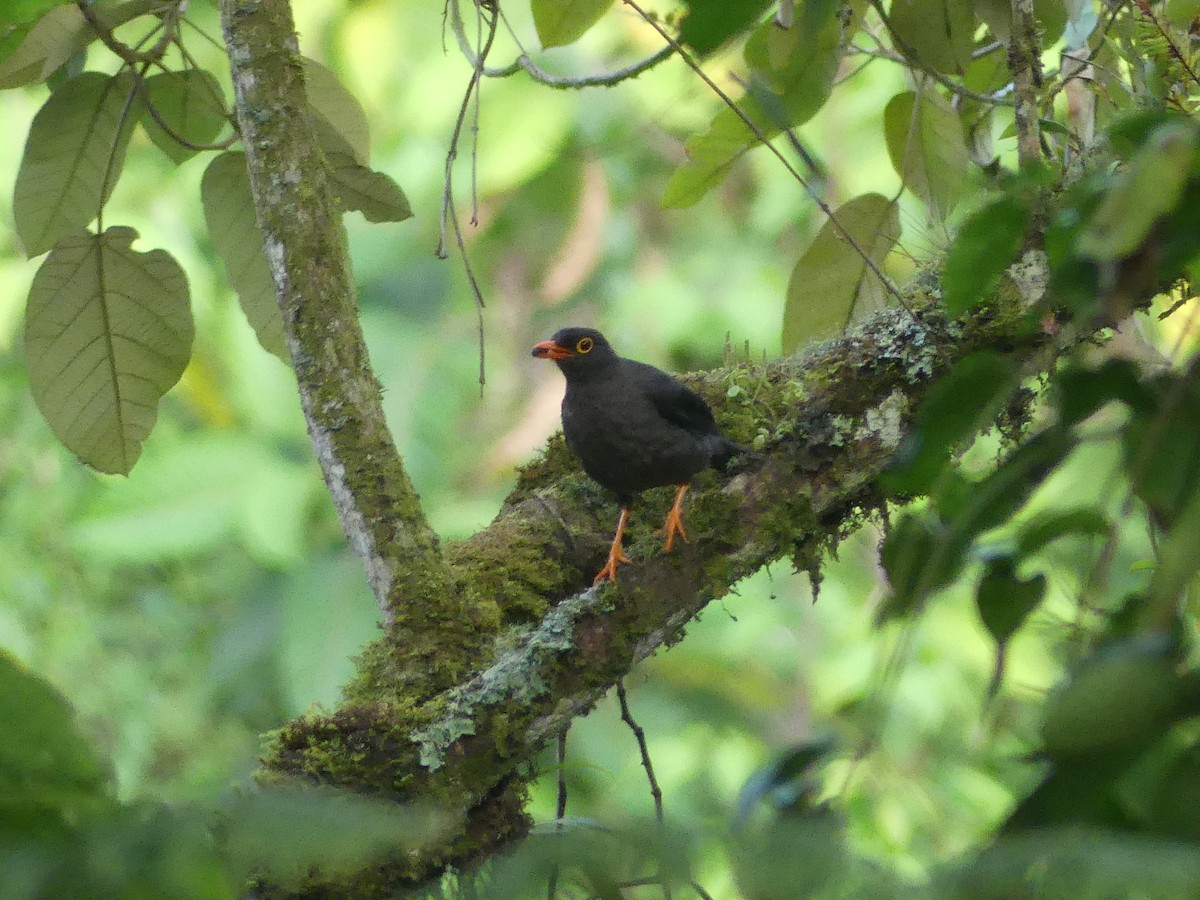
(306, 250)
(827, 425)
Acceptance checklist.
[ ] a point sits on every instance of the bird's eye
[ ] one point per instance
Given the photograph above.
(584, 345)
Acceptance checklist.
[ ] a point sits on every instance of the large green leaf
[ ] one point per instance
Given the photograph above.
(928, 151)
(791, 75)
(939, 33)
(19, 12)
(55, 38)
(74, 153)
(985, 246)
(107, 333)
(190, 104)
(335, 107)
(1149, 188)
(560, 22)
(832, 286)
(49, 771)
(229, 214)
(710, 23)
(957, 407)
(375, 195)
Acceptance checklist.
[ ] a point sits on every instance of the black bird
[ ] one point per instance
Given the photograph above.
(633, 427)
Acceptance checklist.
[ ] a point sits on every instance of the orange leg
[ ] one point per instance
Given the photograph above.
(674, 524)
(616, 555)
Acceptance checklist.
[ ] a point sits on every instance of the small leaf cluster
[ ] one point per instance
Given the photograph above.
(109, 328)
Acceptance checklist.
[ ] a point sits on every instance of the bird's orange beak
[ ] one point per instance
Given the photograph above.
(551, 350)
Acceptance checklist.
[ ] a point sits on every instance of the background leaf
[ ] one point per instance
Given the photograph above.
(108, 331)
(336, 108)
(941, 33)
(831, 285)
(54, 38)
(928, 151)
(374, 194)
(191, 105)
(229, 214)
(62, 183)
(710, 23)
(560, 22)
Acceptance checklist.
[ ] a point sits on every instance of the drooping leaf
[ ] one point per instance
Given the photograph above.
(927, 148)
(331, 102)
(710, 23)
(560, 22)
(957, 406)
(190, 104)
(791, 75)
(831, 285)
(73, 156)
(1149, 188)
(375, 195)
(1005, 600)
(1179, 558)
(108, 332)
(229, 215)
(1081, 391)
(985, 246)
(54, 38)
(918, 561)
(291, 829)
(1159, 449)
(938, 33)
(20, 12)
(1122, 697)
(49, 772)
(1051, 17)
(1046, 528)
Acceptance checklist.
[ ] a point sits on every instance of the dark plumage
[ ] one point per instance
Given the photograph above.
(632, 426)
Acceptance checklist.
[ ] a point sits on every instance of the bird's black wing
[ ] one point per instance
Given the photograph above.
(676, 403)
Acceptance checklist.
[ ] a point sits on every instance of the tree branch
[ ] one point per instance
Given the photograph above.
(827, 425)
(305, 248)
(1024, 61)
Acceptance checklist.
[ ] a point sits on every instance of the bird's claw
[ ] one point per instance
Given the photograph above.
(616, 556)
(673, 527)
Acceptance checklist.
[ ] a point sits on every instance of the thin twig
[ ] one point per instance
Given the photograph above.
(762, 138)
(560, 807)
(449, 214)
(655, 791)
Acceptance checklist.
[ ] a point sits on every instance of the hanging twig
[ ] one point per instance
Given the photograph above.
(560, 807)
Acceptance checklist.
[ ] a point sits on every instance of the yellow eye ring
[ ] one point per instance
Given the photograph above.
(584, 345)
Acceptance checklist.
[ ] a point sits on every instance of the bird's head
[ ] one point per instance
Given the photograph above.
(576, 350)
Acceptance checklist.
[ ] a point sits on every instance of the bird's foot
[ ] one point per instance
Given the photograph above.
(674, 524)
(616, 556)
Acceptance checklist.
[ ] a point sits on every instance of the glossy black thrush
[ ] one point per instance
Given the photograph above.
(633, 427)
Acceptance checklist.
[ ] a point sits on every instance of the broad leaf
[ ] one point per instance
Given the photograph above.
(49, 772)
(1121, 698)
(985, 246)
(73, 156)
(337, 108)
(560, 22)
(956, 408)
(1004, 600)
(940, 34)
(191, 106)
(229, 215)
(927, 148)
(55, 38)
(918, 561)
(791, 76)
(374, 194)
(831, 286)
(108, 331)
(1149, 188)
(710, 23)
(20, 12)
(1051, 526)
